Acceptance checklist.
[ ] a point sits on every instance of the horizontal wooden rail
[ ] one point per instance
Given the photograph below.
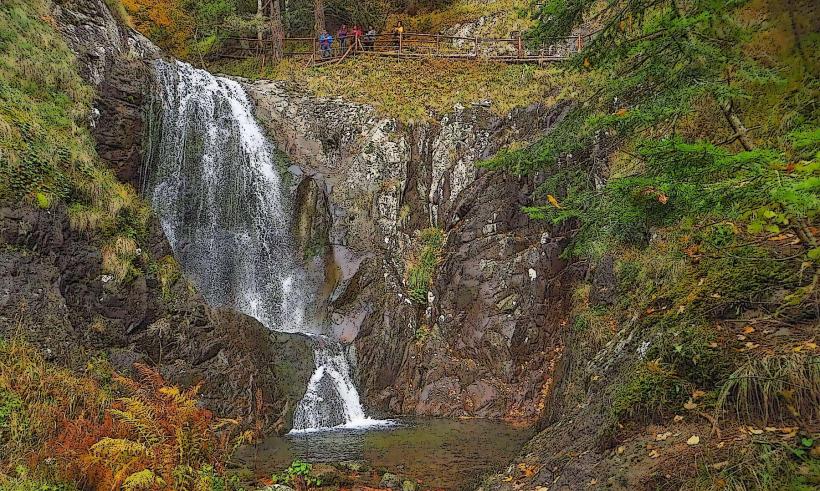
(410, 45)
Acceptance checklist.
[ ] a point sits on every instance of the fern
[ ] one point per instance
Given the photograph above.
(144, 479)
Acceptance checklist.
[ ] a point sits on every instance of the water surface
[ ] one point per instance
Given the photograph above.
(441, 453)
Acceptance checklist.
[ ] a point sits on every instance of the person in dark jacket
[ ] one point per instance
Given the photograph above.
(341, 35)
(370, 39)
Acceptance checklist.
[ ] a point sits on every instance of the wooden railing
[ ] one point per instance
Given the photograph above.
(408, 45)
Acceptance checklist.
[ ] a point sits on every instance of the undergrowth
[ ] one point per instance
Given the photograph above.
(502, 17)
(101, 430)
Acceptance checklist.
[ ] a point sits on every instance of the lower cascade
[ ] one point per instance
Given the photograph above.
(214, 183)
(331, 399)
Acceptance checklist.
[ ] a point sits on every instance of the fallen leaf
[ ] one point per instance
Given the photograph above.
(713, 345)
(719, 465)
(755, 431)
(660, 437)
(693, 440)
(751, 345)
(620, 450)
(748, 330)
(553, 201)
(698, 394)
(690, 405)
(621, 112)
(741, 337)
(663, 199)
(654, 454)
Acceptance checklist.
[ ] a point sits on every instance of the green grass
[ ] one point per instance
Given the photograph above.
(421, 266)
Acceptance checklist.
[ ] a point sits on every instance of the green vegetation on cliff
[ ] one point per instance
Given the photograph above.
(47, 154)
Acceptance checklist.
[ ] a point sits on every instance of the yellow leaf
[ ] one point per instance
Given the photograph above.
(748, 330)
(621, 112)
(693, 440)
(553, 201)
(690, 405)
(698, 394)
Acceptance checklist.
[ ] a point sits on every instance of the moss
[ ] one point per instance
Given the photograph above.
(649, 391)
(47, 154)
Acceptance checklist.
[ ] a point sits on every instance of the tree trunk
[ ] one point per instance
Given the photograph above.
(319, 14)
(260, 12)
(277, 31)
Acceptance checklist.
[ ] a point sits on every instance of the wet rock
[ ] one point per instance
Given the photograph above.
(490, 309)
(115, 60)
(327, 474)
(51, 277)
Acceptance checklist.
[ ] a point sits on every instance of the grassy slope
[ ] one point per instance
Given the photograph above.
(414, 89)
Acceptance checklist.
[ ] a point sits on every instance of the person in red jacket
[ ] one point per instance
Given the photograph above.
(357, 35)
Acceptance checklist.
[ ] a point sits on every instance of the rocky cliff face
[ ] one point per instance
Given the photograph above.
(485, 342)
(53, 290)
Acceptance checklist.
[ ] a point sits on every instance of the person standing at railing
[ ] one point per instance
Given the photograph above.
(357, 35)
(325, 44)
(398, 31)
(370, 39)
(341, 35)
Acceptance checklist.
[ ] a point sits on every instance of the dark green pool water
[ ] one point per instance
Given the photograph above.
(449, 454)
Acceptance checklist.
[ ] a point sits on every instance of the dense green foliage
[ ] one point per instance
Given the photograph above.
(691, 156)
(652, 70)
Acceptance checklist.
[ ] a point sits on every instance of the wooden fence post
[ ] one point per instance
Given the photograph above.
(438, 44)
(401, 41)
(580, 43)
(520, 47)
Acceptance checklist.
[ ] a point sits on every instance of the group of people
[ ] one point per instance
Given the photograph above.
(343, 36)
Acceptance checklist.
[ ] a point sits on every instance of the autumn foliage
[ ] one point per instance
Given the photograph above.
(155, 436)
(165, 21)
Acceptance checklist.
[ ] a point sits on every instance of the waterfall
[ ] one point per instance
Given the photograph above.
(215, 186)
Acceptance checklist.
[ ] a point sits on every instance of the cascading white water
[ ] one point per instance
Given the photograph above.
(214, 184)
